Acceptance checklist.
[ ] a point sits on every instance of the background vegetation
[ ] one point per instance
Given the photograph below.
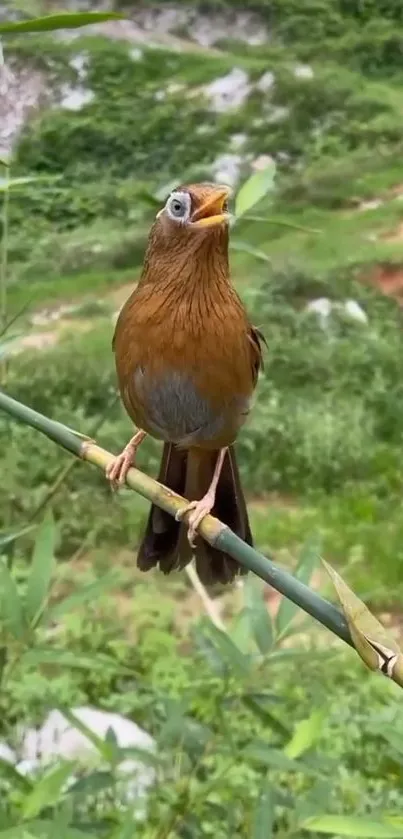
(321, 457)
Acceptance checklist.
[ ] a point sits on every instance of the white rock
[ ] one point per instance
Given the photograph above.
(370, 205)
(266, 82)
(303, 71)
(321, 307)
(355, 311)
(228, 91)
(79, 63)
(238, 140)
(74, 98)
(226, 169)
(6, 753)
(57, 738)
(175, 87)
(136, 54)
(277, 113)
(262, 162)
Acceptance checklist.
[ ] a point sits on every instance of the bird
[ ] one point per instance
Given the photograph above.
(187, 360)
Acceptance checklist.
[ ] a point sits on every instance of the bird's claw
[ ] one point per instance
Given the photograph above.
(117, 470)
(198, 509)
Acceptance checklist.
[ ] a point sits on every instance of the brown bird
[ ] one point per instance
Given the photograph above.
(187, 361)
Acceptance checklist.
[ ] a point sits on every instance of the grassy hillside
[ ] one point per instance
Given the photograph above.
(265, 730)
(326, 428)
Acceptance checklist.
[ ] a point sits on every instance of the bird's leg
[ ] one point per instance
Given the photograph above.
(205, 505)
(117, 470)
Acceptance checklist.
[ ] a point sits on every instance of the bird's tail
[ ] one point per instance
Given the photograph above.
(165, 543)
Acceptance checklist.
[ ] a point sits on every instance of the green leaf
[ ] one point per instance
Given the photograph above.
(65, 658)
(105, 749)
(92, 784)
(376, 647)
(354, 826)
(264, 814)
(308, 561)
(10, 183)
(264, 755)
(306, 733)
(127, 829)
(42, 567)
(230, 654)
(44, 829)
(48, 790)
(11, 611)
(244, 247)
(8, 770)
(260, 621)
(4, 162)
(7, 538)
(60, 21)
(82, 595)
(257, 706)
(254, 189)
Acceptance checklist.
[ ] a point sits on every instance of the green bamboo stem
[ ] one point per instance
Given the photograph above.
(375, 648)
(216, 533)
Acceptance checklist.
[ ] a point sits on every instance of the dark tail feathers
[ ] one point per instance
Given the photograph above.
(165, 543)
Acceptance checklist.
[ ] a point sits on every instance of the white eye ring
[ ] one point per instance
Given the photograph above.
(178, 206)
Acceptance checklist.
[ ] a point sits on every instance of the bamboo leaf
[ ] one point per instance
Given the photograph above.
(264, 814)
(44, 829)
(308, 560)
(354, 826)
(306, 733)
(7, 538)
(11, 183)
(258, 615)
(42, 567)
(9, 771)
(48, 790)
(239, 245)
(11, 611)
(230, 654)
(104, 747)
(92, 784)
(65, 658)
(377, 647)
(254, 189)
(264, 755)
(59, 21)
(81, 596)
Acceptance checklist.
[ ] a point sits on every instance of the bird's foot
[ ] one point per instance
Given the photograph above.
(199, 509)
(116, 471)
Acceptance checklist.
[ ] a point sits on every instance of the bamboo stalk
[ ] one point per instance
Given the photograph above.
(216, 533)
(374, 646)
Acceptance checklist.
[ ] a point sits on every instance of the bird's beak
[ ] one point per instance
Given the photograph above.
(211, 212)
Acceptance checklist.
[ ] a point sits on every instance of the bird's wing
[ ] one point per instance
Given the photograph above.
(256, 339)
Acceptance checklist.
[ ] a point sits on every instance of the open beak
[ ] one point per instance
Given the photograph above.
(212, 211)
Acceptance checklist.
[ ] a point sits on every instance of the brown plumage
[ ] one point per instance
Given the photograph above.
(187, 361)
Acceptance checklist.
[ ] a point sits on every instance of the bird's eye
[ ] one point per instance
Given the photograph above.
(178, 206)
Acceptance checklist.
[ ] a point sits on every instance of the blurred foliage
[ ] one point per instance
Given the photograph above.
(228, 759)
(325, 427)
(321, 454)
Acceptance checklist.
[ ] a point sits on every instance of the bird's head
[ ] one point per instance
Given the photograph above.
(199, 208)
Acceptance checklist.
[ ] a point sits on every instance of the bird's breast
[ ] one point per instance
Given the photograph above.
(185, 374)
(172, 407)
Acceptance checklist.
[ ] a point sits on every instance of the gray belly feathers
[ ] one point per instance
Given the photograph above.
(177, 412)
